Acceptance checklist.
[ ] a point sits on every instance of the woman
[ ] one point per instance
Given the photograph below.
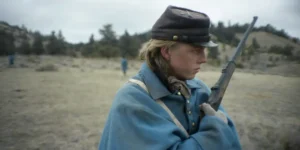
(159, 108)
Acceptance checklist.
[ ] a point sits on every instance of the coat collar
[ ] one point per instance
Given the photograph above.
(155, 87)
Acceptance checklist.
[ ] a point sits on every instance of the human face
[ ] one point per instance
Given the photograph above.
(185, 60)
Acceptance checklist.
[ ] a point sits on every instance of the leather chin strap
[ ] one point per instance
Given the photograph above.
(178, 85)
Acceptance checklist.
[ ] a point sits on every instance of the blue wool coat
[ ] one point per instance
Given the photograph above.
(137, 122)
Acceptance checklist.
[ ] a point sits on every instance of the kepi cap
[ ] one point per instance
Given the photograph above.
(183, 25)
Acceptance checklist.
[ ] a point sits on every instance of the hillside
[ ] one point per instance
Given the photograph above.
(266, 40)
(19, 34)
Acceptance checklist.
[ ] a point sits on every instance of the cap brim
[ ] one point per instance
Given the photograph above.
(207, 44)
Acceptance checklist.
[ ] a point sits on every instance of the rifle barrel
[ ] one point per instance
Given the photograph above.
(243, 41)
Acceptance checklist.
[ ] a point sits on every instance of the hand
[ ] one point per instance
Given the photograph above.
(208, 110)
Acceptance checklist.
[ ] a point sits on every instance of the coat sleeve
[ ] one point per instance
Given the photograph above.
(236, 144)
(133, 125)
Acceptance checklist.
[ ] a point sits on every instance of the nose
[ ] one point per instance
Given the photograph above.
(201, 57)
(203, 60)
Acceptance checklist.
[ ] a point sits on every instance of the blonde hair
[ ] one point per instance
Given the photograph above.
(150, 52)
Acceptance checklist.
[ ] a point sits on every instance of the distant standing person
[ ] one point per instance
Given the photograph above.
(124, 65)
(11, 59)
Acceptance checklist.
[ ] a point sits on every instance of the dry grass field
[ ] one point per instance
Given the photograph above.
(66, 109)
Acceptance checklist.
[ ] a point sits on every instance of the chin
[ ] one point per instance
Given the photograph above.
(187, 76)
(190, 77)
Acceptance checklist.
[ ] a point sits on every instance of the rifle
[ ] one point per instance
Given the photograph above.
(218, 90)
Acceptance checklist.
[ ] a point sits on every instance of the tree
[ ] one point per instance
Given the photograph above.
(269, 28)
(229, 23)
(60, 37)
(37, 47)
(134, 47)
(288, 50)
(213, 53)
(275, 49)
(25, 48)
(108, 35)
(106, 51)
(295, 40)
(52, 46)
(23, 27)
(282, 33)
(124, 43)
(7, 46)
(90, 47)
(220, 25)
(271, 58)
(253, 48)
(128, 45)
(61, 43)
(56, 45)
(108, 45)
(92, 41)
(255, 43)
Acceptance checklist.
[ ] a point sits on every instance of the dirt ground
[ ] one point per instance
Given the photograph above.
(67, 109)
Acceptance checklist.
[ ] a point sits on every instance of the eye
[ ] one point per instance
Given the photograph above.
(198, 47)
(197, 51)
(194, 51)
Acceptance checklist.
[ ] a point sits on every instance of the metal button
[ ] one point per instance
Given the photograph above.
(188, 101)
(193, 124)
(190, 112)
(178, 93)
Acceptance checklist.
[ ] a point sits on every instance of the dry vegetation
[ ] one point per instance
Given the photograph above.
(66, 109)
(267, 39)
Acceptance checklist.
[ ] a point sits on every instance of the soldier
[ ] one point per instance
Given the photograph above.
(158, 109)
(124, 65)
(11, 59)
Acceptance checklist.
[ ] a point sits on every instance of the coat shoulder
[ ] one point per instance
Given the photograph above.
(131, 93)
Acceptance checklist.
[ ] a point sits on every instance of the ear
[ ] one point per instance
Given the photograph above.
(165, 52)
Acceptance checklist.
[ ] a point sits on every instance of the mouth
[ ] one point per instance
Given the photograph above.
(197, 69)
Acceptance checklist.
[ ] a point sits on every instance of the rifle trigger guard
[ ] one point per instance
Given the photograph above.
(224, 70)
(215, 88)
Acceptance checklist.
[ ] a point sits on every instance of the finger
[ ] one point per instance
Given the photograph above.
(208, 110)
(222, 116)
